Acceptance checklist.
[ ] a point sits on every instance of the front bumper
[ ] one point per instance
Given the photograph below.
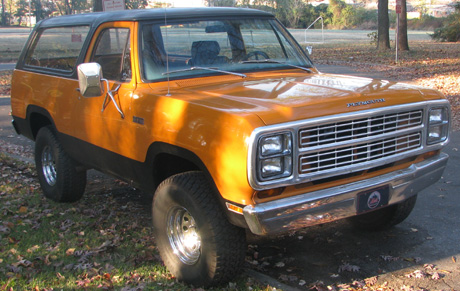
(339, 202)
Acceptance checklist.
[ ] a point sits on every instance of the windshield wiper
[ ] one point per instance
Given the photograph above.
(206, 69)
(270, 61)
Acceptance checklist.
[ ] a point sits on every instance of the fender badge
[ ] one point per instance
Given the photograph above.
(374, 200)
(367, 102)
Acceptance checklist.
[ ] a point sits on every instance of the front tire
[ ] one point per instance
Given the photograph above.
(196, 242)
(59, 177)
(386, 217)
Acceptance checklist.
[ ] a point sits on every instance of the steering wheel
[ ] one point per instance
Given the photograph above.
(256, 54)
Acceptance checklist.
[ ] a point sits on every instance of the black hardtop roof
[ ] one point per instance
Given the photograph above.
(96, 18)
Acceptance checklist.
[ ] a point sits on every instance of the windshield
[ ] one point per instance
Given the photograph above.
(192, 48)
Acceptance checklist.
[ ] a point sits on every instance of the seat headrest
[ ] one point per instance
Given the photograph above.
(208, 47)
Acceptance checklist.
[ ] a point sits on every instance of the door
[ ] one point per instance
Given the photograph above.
(103, 121)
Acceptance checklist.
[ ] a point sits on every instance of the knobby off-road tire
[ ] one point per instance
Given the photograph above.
(196, 242)
(386, 217)
(59, 177)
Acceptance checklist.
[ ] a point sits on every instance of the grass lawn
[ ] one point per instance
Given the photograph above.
(103, 241)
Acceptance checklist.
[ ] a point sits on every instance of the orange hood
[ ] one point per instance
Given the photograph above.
(289, 97)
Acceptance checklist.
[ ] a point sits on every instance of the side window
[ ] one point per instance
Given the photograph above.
(113, 53)
(57, 48)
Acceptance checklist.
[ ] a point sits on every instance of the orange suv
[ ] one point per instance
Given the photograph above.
(222, 115)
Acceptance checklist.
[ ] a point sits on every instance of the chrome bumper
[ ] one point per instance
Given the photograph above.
(339, 202)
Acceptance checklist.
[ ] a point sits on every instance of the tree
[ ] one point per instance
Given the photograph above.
(336, 8)
(21, 10)
(64, 7)
(403, 43)
(38, 10)
(296, 8)
(221, 3)
(422, 7)
(3, 14)
(451, 29)
(383, 33)
(135, 4)
(97, 5)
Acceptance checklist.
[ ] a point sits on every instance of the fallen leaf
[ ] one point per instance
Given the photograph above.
(429, 267)
(348, 268)
(418, 274)
(4, 229)
(371, 281)
(389, 258)
(33, 249)
(70, 252)
(319, 286)
(22, 263)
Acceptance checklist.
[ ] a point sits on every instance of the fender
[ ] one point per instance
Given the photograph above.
(167, 160)
(36, 118)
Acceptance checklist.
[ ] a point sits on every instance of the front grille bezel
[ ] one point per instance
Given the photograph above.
(298, 151)
(330, 146)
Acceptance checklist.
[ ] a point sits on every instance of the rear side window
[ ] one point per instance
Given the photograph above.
(57, 48)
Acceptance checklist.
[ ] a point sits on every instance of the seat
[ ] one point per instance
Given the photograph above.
(153, 54)
(205, 53)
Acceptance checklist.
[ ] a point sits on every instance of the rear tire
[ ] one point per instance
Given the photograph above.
(196, 242)
(59, 177)
(386, 217)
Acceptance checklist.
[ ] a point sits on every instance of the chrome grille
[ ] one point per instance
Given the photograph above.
(360, 128)
(335, 146)
(359, 153)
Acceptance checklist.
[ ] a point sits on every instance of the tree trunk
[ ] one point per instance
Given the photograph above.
(403, 43)
(3, 14)
(383, 37)
(67, 7)
(97, 5)
(38, 10)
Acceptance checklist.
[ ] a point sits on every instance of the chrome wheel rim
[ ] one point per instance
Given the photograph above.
(183, 235)
(49, 166)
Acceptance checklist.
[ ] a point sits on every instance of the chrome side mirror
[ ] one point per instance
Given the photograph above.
(90, 79)
(309, 49)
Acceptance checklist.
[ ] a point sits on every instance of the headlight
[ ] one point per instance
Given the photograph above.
(275, 156)
(438, 125)
(271, 145)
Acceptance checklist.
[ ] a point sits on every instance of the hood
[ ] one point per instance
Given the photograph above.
(290, 97)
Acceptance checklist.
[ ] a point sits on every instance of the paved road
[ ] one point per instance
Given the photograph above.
(431, 235)
(7, 66)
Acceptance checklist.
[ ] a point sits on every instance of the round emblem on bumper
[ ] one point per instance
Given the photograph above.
(374, 200)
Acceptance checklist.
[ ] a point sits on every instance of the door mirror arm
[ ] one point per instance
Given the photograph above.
(110, 94)
(90, 83)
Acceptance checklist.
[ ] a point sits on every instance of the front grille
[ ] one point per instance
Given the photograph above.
(360, 128)
(334, 146)
(359, 153)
